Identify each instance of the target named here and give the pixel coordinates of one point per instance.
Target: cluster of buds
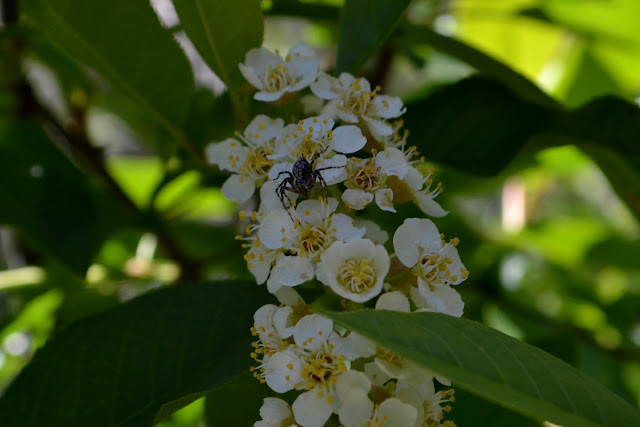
(313, 177)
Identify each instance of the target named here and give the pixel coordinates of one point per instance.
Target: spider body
(300, 180)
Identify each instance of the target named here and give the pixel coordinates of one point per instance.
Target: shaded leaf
(222, 32)
(48, 199)
(477, 125)
(120, 367)
(495, 366)
(364, 27)
(137, 55)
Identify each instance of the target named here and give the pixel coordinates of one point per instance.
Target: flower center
(320, 370)
(312, 240)
(434, 269)
(357, 275)
(278, 78)
(364, 174)
(257, 164)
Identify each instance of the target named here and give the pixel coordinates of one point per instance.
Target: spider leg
(280, 190)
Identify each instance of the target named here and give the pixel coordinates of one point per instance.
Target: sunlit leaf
(485, 64)
(364, 27)
(495, 366)
(120, 367)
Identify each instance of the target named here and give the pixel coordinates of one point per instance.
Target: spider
(301, 179)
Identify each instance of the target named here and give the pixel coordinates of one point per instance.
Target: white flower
(249, 159)
(354, 270)
(274, 76)
(427, 401)
(301, 242)
(366, 177)
(393, 301)
(315, 140)
(352, 100)
(272, 326)
(443, 299)
(419, 245)
(314, 364)
(275, 413)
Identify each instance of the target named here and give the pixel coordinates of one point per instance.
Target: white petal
(378, 127)
(275, 171)
(323, 87)
(351, 380)
(428, 205)
(260, 58)
(344, 229)
(310, 410)
(414, 178)
(238, 188)
(392, 162)
(395, 413)
(265, 96)
(413, 234)
(282, 321)
(228, 155)
(384, 199)
(275, 229)
(356, 198)
(343, 113)
(312, 211)
(353, 346)
(264, 127)
(374, 233)
(334, 172)
(282, 371)
(288, 296)
(250, 74)
(394, 301)
(348, 139)
(377, 376)
(388, 107)
(275, 410)
(356, 409)
(442, 300)
(263, 317)
(292, 270)
(312, 331)
(269, 199)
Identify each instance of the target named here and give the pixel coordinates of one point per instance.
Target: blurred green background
(554, 253)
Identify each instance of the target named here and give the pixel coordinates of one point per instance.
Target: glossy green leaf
(238, 402)
(365, 25)
(479, 60)
(222, 31)
(122, 366)
(48, 200)
(124, 42)
(495, 366)
(479, 125)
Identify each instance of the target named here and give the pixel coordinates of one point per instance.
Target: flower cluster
(314, 176)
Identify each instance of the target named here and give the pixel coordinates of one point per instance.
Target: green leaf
(122, 366)
(48, 200)
(364, 27)
(477, 125)
(495, 366)
(482, 62)
(222, 31)
(124, 42)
